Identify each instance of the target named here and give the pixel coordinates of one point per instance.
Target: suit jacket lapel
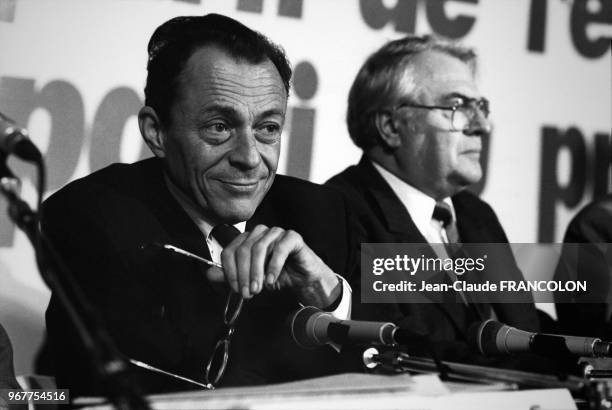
(400, 225)
(180, 229)
(397, 219)
(471, 228)
(265, 213)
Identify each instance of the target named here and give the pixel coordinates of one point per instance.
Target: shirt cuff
(341, 308)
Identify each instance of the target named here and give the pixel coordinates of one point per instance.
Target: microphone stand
(593, 391)
(402, 362)
(108, 365)
(596, 367)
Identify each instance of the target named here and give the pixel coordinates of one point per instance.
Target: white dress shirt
(343, 311)
(419, 205)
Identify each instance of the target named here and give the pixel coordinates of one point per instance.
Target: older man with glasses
(417, 114)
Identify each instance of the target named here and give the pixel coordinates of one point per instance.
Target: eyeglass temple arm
(182, 252)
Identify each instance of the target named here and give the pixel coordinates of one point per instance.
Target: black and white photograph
(306, 204)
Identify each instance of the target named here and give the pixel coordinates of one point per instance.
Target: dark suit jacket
(592, 261)
(159, 308)
(382, 218)
(7, 373)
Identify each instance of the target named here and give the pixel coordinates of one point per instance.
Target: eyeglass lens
(218, 360)
(464, 114)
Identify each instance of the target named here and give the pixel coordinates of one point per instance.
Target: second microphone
(311, 327)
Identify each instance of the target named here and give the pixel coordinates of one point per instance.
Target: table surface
(361, 391)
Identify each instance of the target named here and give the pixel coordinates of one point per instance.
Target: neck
(428, 186)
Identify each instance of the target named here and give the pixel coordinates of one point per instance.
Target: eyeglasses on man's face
(461, 113)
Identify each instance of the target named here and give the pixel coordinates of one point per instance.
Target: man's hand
(268, 256)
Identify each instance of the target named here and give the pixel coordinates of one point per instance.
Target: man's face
(222, 146)
(432, 157)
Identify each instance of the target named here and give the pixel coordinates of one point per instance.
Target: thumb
(215, 274)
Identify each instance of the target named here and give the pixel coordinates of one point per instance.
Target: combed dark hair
(177, 39)
(375, 87)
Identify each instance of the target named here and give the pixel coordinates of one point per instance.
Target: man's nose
(245, 154)
(479, 125)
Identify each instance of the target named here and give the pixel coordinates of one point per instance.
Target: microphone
(311, 327)
(14, 140)
(494, 338)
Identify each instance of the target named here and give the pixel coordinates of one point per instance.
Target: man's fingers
(228, 261)
(243, 255)
(215, 274)
(259, 254)
(256, 259)
(287, 243)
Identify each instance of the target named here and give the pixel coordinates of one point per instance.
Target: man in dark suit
(216, 98)
(587, 255)
(415, 111)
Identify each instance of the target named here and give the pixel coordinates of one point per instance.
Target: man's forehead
(213, 73)
(442, 73)
(210, 61)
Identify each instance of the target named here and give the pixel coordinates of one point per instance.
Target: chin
(233, 217)
(467, 178)
(233, 213)
(234, 207)
(472, 173)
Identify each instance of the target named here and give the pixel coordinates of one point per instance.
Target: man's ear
(151, 131)
(385, 123)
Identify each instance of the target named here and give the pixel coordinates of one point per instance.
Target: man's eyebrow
(457, 95)
(271, 112)
(224, 110)
(230, 112)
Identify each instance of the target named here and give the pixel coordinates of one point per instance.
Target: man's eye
(217, 127)
(216, 133)
(268, 132)
(457, 102)
(271, 128)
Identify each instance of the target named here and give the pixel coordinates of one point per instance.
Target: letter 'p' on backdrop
(73, 72)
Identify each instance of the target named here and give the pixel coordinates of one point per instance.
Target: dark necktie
(443, 213)
(224, 234)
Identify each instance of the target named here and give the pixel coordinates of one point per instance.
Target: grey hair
(375, 86)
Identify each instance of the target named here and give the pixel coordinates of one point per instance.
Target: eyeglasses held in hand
(217, 364)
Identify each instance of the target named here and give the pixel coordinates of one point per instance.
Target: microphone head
(14, 140)
(482, 337)
(300, 327)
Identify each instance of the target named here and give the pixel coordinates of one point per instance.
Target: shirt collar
(419, 205)
(205, 225)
